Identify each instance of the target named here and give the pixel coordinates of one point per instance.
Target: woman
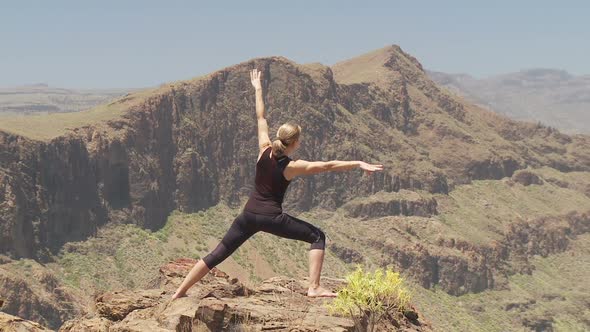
(263, 211)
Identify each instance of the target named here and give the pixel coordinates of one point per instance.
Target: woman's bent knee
(320, 240)
(209, 261)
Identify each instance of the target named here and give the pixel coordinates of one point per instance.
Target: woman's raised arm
(263, 139)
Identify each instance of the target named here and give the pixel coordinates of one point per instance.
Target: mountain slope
(553, 97)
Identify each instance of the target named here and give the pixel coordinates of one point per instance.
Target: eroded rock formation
(10, 323)
(31, 291)
(404, 203)
(475, 268)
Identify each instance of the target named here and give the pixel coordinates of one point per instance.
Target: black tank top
(270, 185)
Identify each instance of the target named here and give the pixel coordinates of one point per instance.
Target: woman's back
(270, 185)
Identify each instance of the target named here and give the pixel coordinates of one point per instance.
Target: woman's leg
(316, 260)
(287, 226)
(240, 230)
(196, 273)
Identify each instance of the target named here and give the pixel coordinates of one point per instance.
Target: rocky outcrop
(580, 186)
(32, 292)
(404, 203)
(474, 268)
(526, 178)
(10, 323)
(348, 255)
(494, 168)
(117, 305)
(538, 323)
(455, 274)
(221, 303)
(542, 236)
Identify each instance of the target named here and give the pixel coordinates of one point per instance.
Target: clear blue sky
(145, 43)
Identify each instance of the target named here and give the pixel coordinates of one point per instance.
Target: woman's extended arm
(304, 167)
(263, 139)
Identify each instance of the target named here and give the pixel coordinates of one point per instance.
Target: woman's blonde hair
(287, 134)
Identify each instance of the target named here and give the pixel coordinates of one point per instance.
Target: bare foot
(175, 296)
(320, 292)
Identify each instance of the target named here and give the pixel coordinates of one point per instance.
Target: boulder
(10, 323)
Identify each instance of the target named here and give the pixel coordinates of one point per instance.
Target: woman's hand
(255, 79)
(370, 168)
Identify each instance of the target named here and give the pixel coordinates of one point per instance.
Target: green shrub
(367, 298)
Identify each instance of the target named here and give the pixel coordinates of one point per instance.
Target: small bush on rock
(369, 297)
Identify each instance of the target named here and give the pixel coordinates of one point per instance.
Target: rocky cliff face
(190, 144)
(10, 323)
(470, 268)
(48, 194)
(402, 203)
(29, 290)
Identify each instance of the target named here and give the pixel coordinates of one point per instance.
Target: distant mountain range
(553, 97)
(42, 98)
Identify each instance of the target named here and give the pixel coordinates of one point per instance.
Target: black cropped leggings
(247, 224)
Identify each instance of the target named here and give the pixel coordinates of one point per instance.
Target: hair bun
(286, 132)
(283, 142)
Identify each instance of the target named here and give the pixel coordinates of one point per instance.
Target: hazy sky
(144, 43)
